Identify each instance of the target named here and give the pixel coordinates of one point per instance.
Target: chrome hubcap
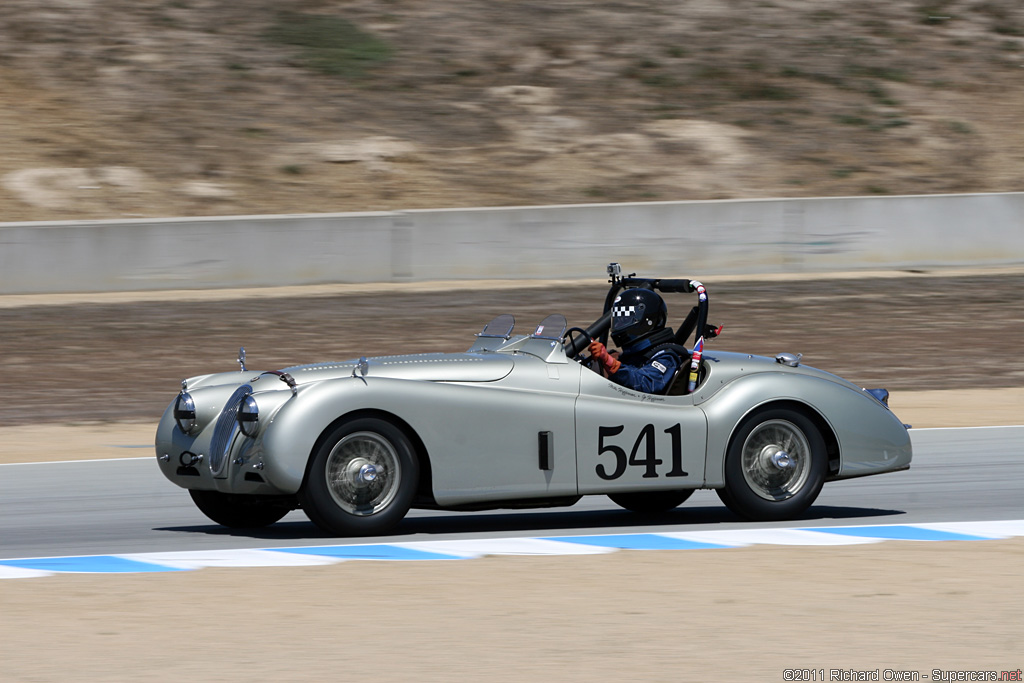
(367, 472)
(782, 460)
(776, 460)
(363, 473)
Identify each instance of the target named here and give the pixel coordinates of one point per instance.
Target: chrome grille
(224, 432)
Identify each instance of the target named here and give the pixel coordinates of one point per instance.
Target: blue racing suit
(650, 377)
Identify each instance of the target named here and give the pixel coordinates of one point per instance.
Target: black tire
(239, 512)
(651, 502)
(362, 478)
(759, 485)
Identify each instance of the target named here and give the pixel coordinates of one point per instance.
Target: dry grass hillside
(131, 108)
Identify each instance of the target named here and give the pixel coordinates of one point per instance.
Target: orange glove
(598, 351)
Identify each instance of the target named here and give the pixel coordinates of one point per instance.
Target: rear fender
(862, 434)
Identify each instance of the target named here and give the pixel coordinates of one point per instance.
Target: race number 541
(644, 452)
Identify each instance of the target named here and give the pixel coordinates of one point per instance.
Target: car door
(630, 441)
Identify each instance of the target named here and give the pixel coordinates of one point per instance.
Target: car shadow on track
(564, 522)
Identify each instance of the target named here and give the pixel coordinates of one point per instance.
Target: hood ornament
(363, 368)
(241, 358)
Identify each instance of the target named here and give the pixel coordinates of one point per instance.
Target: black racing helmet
(637, 314)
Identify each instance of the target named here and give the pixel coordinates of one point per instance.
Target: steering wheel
(567, 341)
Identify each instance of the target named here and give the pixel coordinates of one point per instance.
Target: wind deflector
(551, 327)
(499, 328)
(495, 335)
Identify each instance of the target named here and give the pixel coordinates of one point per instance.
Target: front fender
(288, 441)
(871, 439)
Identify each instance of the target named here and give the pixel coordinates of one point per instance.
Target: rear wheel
(775, 466)
(362, 478)
(651, 502)
(239, 512)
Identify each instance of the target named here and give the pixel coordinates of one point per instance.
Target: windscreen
(499, 328)
(551, 327)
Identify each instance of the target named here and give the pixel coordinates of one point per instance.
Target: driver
(638, 328)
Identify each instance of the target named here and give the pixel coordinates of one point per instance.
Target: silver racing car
(520, 421)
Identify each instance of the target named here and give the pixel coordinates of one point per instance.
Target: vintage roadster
(517, 421)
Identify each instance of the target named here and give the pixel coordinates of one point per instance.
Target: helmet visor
(626, 316)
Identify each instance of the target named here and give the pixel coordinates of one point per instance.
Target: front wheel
(775, 466)
(239, 512)
(362, 478)
(652, 502)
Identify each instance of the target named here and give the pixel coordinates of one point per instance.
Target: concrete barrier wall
(694, 239)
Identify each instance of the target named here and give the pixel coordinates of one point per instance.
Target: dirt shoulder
(123, 360)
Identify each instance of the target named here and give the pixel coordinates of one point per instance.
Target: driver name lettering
(643, 398)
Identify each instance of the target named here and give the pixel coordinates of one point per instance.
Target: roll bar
(698, 317)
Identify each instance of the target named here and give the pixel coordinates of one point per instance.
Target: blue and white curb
(185, 560)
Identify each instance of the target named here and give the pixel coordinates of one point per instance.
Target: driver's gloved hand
(600, 353)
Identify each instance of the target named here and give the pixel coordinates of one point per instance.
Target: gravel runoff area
(697, 615)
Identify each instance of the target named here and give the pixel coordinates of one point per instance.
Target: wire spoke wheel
(775, 465)
(776, 460)
(362, 477)
(363, 473)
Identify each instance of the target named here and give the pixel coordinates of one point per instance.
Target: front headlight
(249, 416)
(185, 412)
